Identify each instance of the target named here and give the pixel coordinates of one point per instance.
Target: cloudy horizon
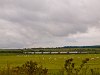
(49, 23)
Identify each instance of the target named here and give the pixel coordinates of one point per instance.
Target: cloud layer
(49, 23)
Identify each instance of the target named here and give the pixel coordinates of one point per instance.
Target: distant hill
(94, 46)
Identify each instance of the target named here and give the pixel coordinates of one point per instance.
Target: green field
(49, 61)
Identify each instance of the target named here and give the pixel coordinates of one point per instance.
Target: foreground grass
(53, 63)
(33, 68)
(48, 61)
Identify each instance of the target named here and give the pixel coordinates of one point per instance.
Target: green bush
(82, 69)
(72, 70)
(29, 68)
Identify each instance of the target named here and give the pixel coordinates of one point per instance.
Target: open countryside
(49, 37)
(53, 59)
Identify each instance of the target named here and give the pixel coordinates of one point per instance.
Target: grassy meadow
(49, 61)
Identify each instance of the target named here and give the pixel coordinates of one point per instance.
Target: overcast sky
(49, 23)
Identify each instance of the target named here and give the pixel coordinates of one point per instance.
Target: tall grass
(33, 68)
(29, 68)
(82, 69)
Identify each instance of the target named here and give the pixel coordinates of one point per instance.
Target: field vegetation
(54, 63)
(16, 62)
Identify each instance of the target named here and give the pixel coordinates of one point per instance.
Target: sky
(49, 23)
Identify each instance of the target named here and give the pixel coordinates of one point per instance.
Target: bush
(29, 68)
(72, 70)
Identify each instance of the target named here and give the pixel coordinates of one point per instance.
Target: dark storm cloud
(29, 23)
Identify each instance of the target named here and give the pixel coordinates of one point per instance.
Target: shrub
(29, 68)
(70, 66)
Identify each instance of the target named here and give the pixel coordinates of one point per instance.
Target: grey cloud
(25, 23)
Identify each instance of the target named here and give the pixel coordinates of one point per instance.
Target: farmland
(53, 59)
(49, 61)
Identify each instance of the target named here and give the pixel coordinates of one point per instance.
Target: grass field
(49, 61)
